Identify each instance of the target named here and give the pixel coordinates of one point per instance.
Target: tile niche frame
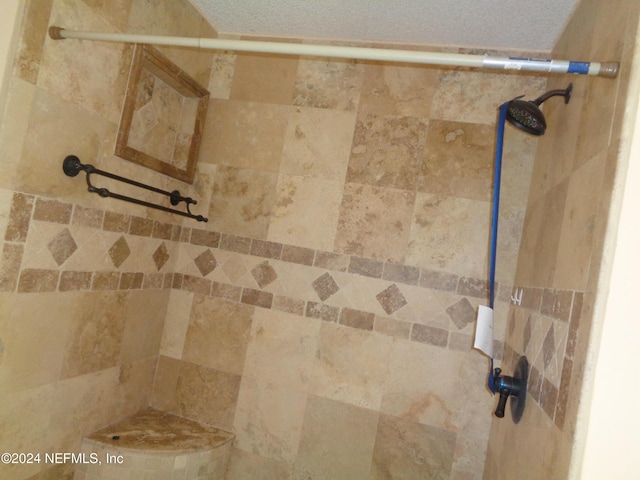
(149, 62)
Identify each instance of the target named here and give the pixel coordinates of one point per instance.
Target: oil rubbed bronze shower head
(526, 114)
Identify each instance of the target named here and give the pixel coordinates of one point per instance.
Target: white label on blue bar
(484, 331)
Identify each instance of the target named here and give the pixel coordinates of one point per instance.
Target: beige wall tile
(305, 212)
(399, 445)
(348, 440)
(144, 319)
(318, 143)
(328, 83)
(225, 140)
(250, 465)
(398, 90)
(282, 350)
(459, 160)
(350, 366)
(447, 234)
(12, 134)
(276, 74)
(218, 334)
(474, 97)
(368, 228)
(96, 334)
(35, 330)
(176, 323)
(387, 151)
(268, 419)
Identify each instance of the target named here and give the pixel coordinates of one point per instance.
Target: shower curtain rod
(602, 69)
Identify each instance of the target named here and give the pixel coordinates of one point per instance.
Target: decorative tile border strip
(558, 305)
(27, 210)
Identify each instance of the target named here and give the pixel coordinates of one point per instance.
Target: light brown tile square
(244, 134)
(387, 151)
(328, 83)
(282, 349)
(218, 334)
(458, 160)
(96, 334)
(399, 89)
(268, 419)
(242, 201)
(305, 212)
(344, 433)
(449, 234)
(275, 75)
(411, 451)
(351, 365)
(375, 222)
(144, 320)
(318, 143)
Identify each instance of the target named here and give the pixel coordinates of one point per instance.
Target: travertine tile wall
(82, 303)
(562, 247)
(324, 314)
(330, 327)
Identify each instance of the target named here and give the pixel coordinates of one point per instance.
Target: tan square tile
(399, 445)
(268, 419)
(244, 134)
(176, 323)
(282, 349)
(398, 90)
(63, 68)
(458, 160)
(144, 319)
(218, 334)
(474, 96)
(276, 74)
(318, 143)
(325, 83)
(387, 151)
(344, 433)
(243, 465)
(34, 346)
(96, 334)
(351, 365)
(305, 212)
(242, 201)
(450, 234)
(375, 222)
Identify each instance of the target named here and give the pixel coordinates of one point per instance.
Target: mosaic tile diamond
(325, 286)
(119, 252)
(264, 274)
(160, 256)
(462, 313)
(391, 299)
(206, 262)
(62, 246)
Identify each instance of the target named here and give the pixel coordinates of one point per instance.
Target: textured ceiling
(521, 25)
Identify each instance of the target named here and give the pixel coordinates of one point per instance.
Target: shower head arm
(566, 93)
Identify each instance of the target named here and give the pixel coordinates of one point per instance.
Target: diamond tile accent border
(541, 315)
(161, 256)
(119, 252)
(62, 246)
(391, 299)
(264, 274)
(206, 262)
(128, 229)
(325, 286)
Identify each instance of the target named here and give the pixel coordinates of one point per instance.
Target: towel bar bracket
(72, 166)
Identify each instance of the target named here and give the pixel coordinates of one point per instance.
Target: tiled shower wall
(561, 251)
(324, 314)
(330, 326)
(82, 303)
